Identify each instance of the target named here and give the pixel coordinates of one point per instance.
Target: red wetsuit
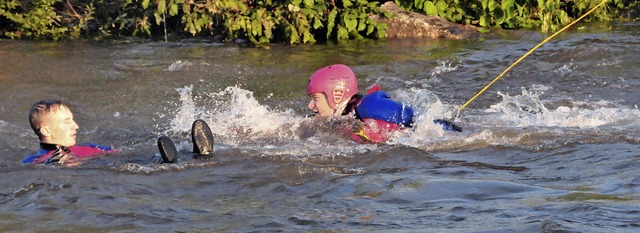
(51, 153)
(379, 117)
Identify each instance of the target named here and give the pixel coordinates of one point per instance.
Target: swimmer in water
(334, 92)
(53, 123)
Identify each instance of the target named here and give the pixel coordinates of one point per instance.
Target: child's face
(59, 127)
(319, 105)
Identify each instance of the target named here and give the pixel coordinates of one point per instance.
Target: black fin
(167, 149)
(201, 137)
(448, 125)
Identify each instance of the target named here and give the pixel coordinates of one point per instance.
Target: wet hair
(40, 111)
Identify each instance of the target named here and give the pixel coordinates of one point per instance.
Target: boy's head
(331, 88)
(53, 122)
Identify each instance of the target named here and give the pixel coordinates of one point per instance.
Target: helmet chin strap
(340, 108)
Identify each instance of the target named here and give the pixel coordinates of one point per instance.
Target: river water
(553, 146)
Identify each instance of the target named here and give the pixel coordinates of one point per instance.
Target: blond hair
(40, 111)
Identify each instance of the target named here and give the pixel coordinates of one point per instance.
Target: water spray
(451, 126)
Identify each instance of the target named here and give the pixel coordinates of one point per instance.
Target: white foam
(527, 109)
(444, 67)
(187, 111)
(179, 65)
(565, 69)
(240, 115)
(503, 122)
(239, 120)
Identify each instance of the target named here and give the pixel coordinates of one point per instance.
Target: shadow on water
(552, 146)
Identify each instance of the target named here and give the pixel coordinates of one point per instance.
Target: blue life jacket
(379, 105)
(30, 158)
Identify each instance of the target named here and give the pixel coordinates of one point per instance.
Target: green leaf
(350, 23)
(382, 29)
(331, 22)
(342, 33)
(485, 4)
(257, 27)
(362, 15)
(381, 26)
(158, 17)
(173, 10)
(260, 13)
(492, 5)
(361, 25)
(307, 37)
(317, 23)
(145, 4)
(485, 20)
(293, 35)
(162, 7)
(498, 16)
(346, 3)
(369, 29)
(419, 4)
(508, 3)
(441, 6)
(430, 8)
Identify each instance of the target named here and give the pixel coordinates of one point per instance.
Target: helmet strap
(340, 108)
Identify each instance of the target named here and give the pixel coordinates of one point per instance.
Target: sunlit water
(553, 146)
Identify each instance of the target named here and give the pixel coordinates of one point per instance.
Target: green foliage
(295, 21)
(41, 20)
(552, 15)
(261, 22)
(548, 15)
(267, 21)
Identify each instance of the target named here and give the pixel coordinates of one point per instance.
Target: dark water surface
(554, 146)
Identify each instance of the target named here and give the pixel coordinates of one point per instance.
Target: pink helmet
(337, 81)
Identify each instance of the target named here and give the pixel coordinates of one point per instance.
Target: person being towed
(53, 123)
(333, 91)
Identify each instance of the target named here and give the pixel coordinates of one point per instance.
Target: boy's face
(59, 127)
(319, 105)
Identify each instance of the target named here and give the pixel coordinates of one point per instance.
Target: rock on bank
(407, 24)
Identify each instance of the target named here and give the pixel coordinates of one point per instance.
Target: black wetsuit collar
(59, 152)
(48, 146)
(351, 106)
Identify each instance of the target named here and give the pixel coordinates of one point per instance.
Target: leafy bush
(267, 21)
(548, 15)
(42, 20)
(295, 21)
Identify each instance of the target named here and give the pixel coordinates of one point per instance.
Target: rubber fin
(448, 125)
(167, 149)
(201, 137)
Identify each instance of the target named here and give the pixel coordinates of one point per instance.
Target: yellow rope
(525, 55)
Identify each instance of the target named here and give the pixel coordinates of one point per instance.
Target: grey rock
(406, 24)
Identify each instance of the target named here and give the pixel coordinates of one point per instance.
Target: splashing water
(187, 112)
(444, 67)
(233, 114)
(240, 116)
(239, 120)
(527, 109)
(566, 69)
(179, 65)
